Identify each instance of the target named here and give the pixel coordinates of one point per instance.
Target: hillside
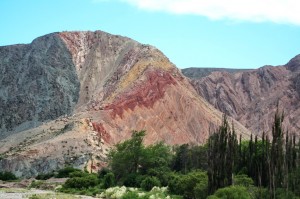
(251, 96)
(67, 97)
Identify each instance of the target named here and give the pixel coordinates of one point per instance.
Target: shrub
(45, 176)
(78, 174)
(163, 175)
(149, 182)
(243, 180)
(109, 180)
(284, 194)
(103, 172)
(200, 190)
(130, 195)
(133, 180)
(7, 176)
(191, 185)
(34, 196)
(36, 184)
(65, 172)
(232, 192)
(114, 192)
(81, 182)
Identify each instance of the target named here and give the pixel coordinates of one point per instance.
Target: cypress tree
(222, 148)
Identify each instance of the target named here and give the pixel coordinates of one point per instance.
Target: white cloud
(279, 11)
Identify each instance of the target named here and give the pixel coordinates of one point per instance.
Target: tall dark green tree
(277, 154)
(222, 149)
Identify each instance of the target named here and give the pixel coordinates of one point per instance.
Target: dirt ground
(21, 193)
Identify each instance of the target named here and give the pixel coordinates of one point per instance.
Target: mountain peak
(92, 89)
(294, 64)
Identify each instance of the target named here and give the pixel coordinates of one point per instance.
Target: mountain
(68, 97)
(251, 96)
(197, 73)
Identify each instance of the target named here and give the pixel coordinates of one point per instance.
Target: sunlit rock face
(68, 97)
(251, 96)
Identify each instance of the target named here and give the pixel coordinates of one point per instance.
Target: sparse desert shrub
(36, 184)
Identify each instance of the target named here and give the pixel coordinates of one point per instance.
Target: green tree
(126, 156)
(222, 152)
(192, 185)
(109, 180)
(131, 159)
(277, 155)
(243, 180)
(149, 182)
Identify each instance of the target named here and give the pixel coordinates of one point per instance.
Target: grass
(31, 195)
(53, 195)
(13, 190)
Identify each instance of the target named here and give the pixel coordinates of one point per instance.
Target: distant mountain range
(251, 96)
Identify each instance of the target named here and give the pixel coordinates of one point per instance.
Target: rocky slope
(67, 97)
(197, 73)
(251, 96)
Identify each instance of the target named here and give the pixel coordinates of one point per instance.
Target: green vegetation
(149, 182)
(7, 176)
(66, 172)
(232, 192)
(225, 167)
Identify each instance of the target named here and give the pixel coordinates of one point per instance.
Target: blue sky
(192, 33)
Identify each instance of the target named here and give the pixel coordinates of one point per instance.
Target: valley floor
(20, 193)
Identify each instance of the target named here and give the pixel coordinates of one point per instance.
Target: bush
(232, 192)
(78, 174)
(114, 192)
(149, 182)
(109, 180)
(284, 194)
(200, 190)
(133, 180)
(243, 180)
(163, 175)
(45, 176)
(34, 196)
(81, 182)
(65, 172)
(130, 195)
(36, 184)
(191, 185)
(7, 176)
(103, 172)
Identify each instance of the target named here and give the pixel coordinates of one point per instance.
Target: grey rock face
(38, 82)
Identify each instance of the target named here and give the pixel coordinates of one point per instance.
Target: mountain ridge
(251, 96)
(102, 87)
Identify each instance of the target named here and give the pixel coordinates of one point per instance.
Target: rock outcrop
(251, 96)
(80, 93)
(34, 78)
